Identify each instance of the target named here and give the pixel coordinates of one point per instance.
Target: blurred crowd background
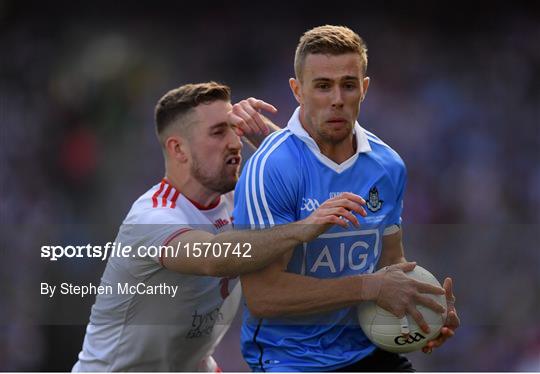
(455, 90)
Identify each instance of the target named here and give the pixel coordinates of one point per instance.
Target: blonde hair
(332, 40)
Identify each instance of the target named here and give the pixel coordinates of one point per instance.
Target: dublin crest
(374, 203)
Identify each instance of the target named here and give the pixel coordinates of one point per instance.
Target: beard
(329, 136)
(221, 181)
(324, 132)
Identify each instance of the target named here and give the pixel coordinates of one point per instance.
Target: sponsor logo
(219, 223)
(402, 340)
(310, 204)
(203, 324)
(353, 257)
(348, 252)
(374, 203)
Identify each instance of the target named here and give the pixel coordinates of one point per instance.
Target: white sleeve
(392, 229)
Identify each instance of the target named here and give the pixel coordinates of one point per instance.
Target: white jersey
(141, 332)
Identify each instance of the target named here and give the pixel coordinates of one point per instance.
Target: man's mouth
(233, 160)
(337, 120)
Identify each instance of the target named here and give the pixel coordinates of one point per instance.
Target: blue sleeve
(266, 193)
(400, 182)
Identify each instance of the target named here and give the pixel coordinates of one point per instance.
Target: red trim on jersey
(157, 193)
(212, 205)
(224, 290)
(164, 198)
(176, 233)
(174, 198)
(170, 238)
(166, 194)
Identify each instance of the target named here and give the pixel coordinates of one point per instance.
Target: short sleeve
(400, 182)
(156, 228)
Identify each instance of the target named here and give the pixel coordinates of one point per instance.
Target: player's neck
(192, 189)
(338, 152)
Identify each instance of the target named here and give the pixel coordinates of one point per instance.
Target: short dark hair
(331, 40)
(180, 101)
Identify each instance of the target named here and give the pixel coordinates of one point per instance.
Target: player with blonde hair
(301, 313)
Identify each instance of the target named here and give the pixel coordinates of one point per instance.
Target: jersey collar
(362, 143)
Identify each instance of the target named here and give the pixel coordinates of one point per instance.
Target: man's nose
(337, 97)
(234, 142)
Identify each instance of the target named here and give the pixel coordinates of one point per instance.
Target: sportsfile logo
(309, 204)
(401, 340)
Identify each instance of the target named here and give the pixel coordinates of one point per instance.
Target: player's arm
(392, 247)
(273, 292)
(262, 246)
(248, 121)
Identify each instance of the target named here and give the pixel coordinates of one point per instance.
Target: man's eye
(323, 86)
(350, 86)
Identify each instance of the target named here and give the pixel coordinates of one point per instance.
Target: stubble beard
(325, 135)
(218, 182)
(333, 138)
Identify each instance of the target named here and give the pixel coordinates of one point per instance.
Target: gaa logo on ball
(384, 329)
(411, 339)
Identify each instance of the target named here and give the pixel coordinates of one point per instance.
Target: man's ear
(365, 86)
(177, 148)
(296, 89)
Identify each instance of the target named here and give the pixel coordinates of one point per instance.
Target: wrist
(255, 139)
(300, 234)
(370, 287)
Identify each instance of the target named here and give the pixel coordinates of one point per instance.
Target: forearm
(292, 294)
(387, 261)
(392, 250)
(244, 251)
(273, 291)
(262, 246)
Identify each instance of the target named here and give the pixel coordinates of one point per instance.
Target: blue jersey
(285, 181)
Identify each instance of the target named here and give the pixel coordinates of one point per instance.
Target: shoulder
(158, 205)
(270, 179)
(278, 156)
(383, 152)
(278, 146)
(386, 157)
